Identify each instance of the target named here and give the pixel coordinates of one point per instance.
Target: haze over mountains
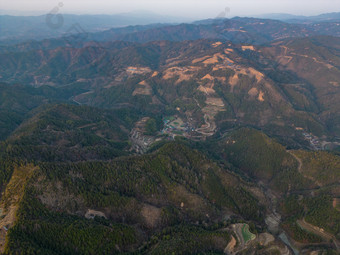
(15, 29)
(220, 136)
(21, 28)
(301, 19)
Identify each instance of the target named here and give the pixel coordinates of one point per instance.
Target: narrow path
(73, 100)
(298, 160)
(301, 172)
(335, 204)
(318, 231)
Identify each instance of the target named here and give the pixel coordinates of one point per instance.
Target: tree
(151, 127)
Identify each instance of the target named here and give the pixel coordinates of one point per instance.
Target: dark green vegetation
(323, 167)
(151, 127)
(175, 185)
(322, 213)
(174, 199)
(72, 133)
(317, 211)
(6, 169)
(41, 231)
(262, 158)
(14, 103)
(294, 210)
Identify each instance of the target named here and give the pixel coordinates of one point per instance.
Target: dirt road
(318, 231)
(301, 172)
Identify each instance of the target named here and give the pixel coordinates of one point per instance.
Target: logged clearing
(231, 246)
(260, 98)
(335, 84)
(206, 90)
(215, 101)
(228, 60)
(244, 48)
(209, 77)
(91, 214)
(214, 59)
(197, 60)
(137, 70)
(216, 44)
(143, 88)
(227, 51)
(234, 80)
(184, 73)
(287, 55)
(151, 215)
(236, 30)
(253, 92)
(181, 196)
(266, 238)
(259, 76)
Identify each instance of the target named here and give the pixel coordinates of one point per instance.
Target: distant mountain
(15, 29)
(78, 30)
(279, 16)
(327, 17)
(237, 30)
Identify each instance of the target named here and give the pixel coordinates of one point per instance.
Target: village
(316, 143)
(174, 126)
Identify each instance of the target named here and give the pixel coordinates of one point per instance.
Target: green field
(247, 235)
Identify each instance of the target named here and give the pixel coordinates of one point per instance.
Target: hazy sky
(185, 8)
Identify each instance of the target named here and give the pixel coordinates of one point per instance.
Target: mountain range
(219, 136)
(15, 29)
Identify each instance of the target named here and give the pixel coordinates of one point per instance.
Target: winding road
(318, 231)
(301, 172)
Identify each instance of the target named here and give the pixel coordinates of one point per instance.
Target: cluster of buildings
(175, 126)
(313, 140)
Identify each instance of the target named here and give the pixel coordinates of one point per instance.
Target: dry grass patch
(151, 215)
(143, 89)
(260, 97)
(253, 92)
(216, 44)
(206, 90)
(244, 48)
